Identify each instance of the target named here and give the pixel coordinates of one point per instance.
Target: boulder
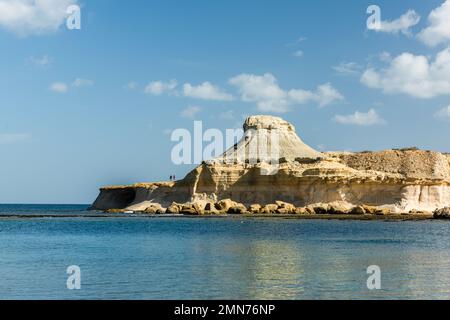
(357, 210)
(443, 213)
(192, 209)
(336, 208)
(321, 208)
(155, 208)
(238, 208)
(310, 210)
(302, 211)
(255, 208)
(225, 205)
(210, 208)
(370, 209)
(269, 209)
(174, 208)
(285, 208)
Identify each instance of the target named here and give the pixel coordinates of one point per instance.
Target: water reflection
(224, 259)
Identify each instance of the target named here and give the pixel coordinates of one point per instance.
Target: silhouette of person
(170, 178)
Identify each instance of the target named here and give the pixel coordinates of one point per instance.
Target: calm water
(233, 258)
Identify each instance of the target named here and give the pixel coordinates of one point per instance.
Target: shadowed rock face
(400, 180)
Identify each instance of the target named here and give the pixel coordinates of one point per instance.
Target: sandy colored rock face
(397, 180)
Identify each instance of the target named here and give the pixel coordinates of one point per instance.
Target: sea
(141, 257)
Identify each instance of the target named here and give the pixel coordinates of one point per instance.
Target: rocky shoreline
(295, 181)
(283, 209)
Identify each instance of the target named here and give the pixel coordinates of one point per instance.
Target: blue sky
(84, 108)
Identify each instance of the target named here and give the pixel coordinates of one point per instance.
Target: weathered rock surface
(391, 181)
(443, 213)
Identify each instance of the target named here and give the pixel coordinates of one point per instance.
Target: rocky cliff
(398, 181)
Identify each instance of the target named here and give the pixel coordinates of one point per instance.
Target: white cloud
(59, 87)
(263, 90)
(413, 75)
(206, 91)
(438, 30)
(82, 83)
(347, 68)
(369, 118)
(443, 113)
(190, 112)
(324, 95)
(42, 61)
(298, 53)
(270, 97)
(62, 87)
(33, 17)
(157, 88)
(8, 138)
(400, 25)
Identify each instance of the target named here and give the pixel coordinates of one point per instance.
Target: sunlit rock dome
(269, 138)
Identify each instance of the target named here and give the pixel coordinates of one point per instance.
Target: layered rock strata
(396, 181)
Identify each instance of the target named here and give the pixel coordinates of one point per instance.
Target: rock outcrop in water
(301, 180)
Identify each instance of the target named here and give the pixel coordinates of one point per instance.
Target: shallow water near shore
(230, 258)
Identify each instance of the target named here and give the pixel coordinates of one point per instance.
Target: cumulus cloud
(417, 76)
(157, 88)
(369, 118)
(59, 87)
(438, 30)
(270, 97)
(347, 68)
(206, 91)
(443, 113)
(264, 90)
(190, 112)
(33, 17)
(400, 25)
(8, 138)
(324, 95)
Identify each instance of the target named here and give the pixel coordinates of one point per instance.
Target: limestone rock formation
(292, 175)
(443, 213)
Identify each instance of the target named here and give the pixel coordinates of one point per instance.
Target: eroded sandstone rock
(155, 208)
(358, 210)
(401, 180)
(238, 208)
(443, 213)
(255, 208)
(269, 209)
(174, 208)
(285, 208)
